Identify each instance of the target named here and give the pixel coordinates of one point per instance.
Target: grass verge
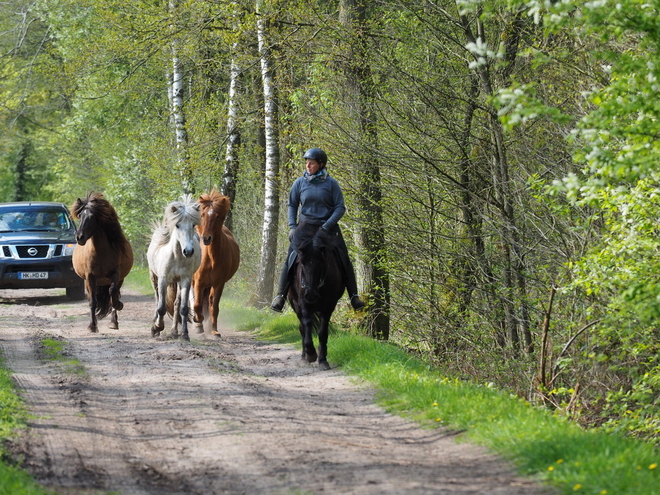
(13, 417)
(55, 350)
(543, 445)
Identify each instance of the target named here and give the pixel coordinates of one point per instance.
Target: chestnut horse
(220, 258)
(102, 256)
(315, 289)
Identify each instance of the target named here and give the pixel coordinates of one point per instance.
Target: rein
(304, 285)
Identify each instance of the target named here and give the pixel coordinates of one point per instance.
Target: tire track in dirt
(232, 416)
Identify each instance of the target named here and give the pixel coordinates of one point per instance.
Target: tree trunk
(267, 261)
(178, 115)
(512, 270)
(233, 142)
(370, 238)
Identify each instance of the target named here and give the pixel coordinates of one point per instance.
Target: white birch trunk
(228, 187)
(178, 115)
(267, 262)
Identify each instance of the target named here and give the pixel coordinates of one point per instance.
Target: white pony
(174, 255)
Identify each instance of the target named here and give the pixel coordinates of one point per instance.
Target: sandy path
(214, 416)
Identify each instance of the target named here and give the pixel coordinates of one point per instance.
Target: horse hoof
(311, 357)
(113, 326)
(92, 329)
(324, 366)
(185, 337)
(155, 331)
(215, 333)
(199, 328)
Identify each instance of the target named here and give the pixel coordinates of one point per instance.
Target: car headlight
(68, 249)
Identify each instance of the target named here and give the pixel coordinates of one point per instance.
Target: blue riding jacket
(316, 199)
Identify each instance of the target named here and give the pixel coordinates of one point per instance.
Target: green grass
(543, 446)
(13, 417)
(55, 350)
(138, 279)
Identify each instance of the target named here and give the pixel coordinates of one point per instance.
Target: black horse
(316, 286)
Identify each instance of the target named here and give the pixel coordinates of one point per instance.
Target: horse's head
(92, 212)
(214, 209)
(313, 247)
(181, 218)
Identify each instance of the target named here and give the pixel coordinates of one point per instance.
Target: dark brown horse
(102, 258)
(315, 289)
(220, 259)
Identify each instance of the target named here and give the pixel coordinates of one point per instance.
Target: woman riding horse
(320, 201)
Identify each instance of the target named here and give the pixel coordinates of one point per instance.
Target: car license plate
(32, 275)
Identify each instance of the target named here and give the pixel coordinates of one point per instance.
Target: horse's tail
(170, 298)
(170, 302)
(103, 301)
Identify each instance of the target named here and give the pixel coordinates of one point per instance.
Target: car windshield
(19, 218)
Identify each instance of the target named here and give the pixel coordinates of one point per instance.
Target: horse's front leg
(117, 305)
(115, 292)
(201, 295)
(176, 317)
(183, 310)
(161, 290)
(93, 302)
(216, 294)
(306, 329)
(324, 322)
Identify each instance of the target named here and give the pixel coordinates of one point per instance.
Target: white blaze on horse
(174, 255)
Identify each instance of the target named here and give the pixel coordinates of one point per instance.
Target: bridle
(303, 283)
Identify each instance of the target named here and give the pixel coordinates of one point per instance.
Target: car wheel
(76, 293)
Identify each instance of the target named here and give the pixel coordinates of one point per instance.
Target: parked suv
(36, 244)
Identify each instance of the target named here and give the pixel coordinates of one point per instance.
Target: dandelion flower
(577, 487)
(653, 466)
(551, 468)
(435, 403)
(559, 461)
(604, 492)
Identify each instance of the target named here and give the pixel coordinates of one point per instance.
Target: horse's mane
(217, 201)
(309, 238)
(183, 209)
(105, 214)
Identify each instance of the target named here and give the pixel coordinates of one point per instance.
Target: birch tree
(267, 261)
(177, 99)
(233, 140)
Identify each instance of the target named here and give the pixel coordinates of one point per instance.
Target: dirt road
(234, 416)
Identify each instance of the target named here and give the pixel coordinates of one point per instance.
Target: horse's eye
(177, 226)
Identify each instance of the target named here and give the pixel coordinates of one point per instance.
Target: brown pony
(102, 258)
(220, 258)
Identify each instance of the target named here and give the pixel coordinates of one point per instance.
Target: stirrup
(278, 303)
(356, 302)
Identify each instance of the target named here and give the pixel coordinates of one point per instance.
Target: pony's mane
(185, 209)
(215, 200)
(104, 212)
(309, 238)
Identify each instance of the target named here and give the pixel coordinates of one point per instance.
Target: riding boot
(349, 278)
(283, 288)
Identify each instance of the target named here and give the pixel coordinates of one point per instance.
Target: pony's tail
(170, 301)
(103, 301)
(170, 298)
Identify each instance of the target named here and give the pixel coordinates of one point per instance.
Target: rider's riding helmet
(317, 154)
